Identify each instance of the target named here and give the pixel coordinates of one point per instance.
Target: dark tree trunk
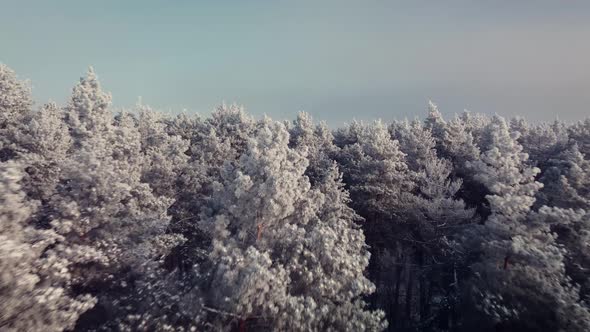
(409, 295)
(422, 286)
(398, 279)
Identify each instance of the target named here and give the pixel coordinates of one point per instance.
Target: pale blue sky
(334, 59)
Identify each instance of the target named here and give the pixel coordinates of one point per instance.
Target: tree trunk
(398, 279)
(422, 286)
(409, 286)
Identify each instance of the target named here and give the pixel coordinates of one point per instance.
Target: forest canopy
(143, 221)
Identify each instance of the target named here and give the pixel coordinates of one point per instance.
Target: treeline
(139, 221)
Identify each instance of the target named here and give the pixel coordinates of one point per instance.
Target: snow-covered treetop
(87, 110)
(15, 97)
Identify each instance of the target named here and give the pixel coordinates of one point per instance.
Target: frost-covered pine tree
(15, 97)
(15, 109)
(113, 226)
(87, 113)
(458, 145)
(573, 234)
(35, 278)
(165, 154)
(214, 142)
(566, 180)
(317, 141)
(380, 184)
(189, 178)
(476, 124)
(435, 123)
(433, 219)
(45, 143)
(502, 169)
(375, 170)
(284, 256)
(183, 125)
(580, 133)
(415, 140)
(233, 127)
(517, 253)
(220, 139)
(435, 186)
(542, 141)
(377, 177)
(47, 134)
(556, 303)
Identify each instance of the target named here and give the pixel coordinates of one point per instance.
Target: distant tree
(476, 124)
(580, 133)
(458, 145)
(435, 123)
(543, 141)
(165, 153)
(317, 142)
(566, 180)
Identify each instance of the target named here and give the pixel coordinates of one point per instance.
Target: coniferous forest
(142, 221)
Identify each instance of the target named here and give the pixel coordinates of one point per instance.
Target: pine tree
(458, 145)
(214, 142)
(580, 133)
(512, 189)
(518, 252)
(380, 185)
(476, 124)
(87, 113)
(35, 278)
(566, 180)
(435, 123)
(165, 153)
(44, 143)
(543, 141)
(572, 228)
(433, 219)
(317, 142)
(375, 170)
(15, 110)
(278, 263)
(416, 141)
(113, 226)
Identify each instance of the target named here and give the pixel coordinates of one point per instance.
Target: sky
(336, 60)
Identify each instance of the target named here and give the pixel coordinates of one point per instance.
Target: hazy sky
(334, 59)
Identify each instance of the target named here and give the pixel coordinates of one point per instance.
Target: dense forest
(142, 221)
